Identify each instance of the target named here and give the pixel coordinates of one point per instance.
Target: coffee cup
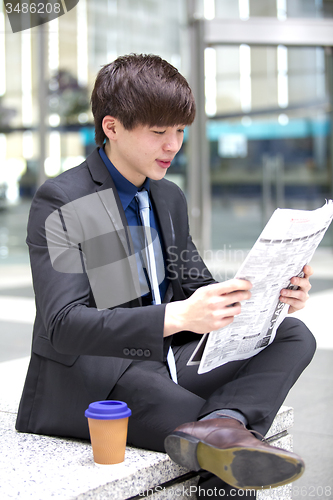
(108, 422)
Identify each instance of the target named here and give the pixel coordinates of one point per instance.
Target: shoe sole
(246, 468)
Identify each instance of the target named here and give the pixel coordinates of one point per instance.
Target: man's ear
(110, 125)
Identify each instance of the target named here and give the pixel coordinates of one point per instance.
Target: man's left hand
(297, 298)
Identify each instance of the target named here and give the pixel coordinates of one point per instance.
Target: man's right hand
(209, 308)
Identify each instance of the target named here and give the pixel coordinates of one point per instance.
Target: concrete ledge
(42, 467)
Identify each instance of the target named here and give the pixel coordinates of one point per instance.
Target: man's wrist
(173, 320)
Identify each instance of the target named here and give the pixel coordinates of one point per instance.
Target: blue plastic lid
(108, 410)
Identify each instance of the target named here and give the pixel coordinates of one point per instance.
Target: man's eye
(182, 130)
(159, 132)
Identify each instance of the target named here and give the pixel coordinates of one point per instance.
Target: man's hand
(209, 308)
(297, 298)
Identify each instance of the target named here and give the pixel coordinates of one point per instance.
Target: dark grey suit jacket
(78, 351)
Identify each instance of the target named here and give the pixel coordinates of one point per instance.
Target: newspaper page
(286, 244)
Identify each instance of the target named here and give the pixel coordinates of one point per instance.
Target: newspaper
(286, 244)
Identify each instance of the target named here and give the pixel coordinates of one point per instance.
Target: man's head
(141, 90)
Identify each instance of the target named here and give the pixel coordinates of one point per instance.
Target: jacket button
(133, 352)
(139, 352)
(126, 351)
(147, 353)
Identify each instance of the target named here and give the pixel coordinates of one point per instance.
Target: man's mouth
(164, 163)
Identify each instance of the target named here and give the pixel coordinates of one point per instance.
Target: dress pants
(256, 387)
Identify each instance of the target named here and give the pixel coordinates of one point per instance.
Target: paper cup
(108, 422)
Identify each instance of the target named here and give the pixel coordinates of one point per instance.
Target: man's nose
(172, 143)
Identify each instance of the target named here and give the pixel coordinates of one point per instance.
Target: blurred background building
(268, 109)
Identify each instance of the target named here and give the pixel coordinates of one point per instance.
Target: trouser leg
(158, 405)
(258, 386)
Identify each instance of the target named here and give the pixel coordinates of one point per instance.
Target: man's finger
(308, 271)
(230, 286)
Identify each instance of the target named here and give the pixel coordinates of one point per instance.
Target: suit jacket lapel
(166, 226)
(104, 182)
(112, 204)
(163, 215)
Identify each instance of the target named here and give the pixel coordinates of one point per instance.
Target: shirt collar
(125, 188)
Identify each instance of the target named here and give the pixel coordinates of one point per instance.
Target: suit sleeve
(67, 316)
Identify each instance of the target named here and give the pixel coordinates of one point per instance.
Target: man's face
(144, 151)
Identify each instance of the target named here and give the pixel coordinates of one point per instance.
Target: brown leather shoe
(226, 448)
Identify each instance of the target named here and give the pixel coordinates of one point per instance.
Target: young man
(103, 330)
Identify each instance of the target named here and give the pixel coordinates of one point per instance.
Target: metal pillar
(329, 73)
(198, 171)
(42, 103)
